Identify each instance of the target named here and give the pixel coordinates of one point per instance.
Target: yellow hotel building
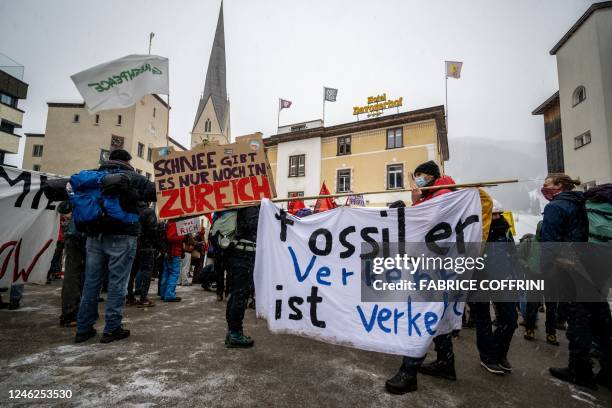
(369, 155)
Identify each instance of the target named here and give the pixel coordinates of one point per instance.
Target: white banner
(308, 273)
(122, 82)
(29, 228)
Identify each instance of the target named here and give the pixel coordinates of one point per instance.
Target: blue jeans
(170, 275)
(16, 292)
(106, 253)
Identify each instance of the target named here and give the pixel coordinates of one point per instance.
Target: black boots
(117, 334)
(581, 377)
(402, 383)
(440, 368)
(81, 337)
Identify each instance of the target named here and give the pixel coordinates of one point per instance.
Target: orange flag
(324, 204)
(295, 205)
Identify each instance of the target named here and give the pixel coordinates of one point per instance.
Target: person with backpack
(222, 233)
(529, 257)
(565, 220)
(104, 203)
(241, 263)
(72, 284)
(172, 263)
(145, 257)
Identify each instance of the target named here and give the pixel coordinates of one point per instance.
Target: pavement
(176, 355)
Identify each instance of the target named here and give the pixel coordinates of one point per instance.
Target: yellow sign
(377, 104)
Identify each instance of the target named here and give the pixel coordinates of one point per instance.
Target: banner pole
(168, 120)
(492, 183)
(323, 106)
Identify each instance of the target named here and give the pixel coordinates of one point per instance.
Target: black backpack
(248, 218)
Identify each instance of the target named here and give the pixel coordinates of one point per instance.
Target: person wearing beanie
(426, 174)
(121, 155)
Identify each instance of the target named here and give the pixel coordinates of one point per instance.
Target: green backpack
(225, 226)
(600, 221)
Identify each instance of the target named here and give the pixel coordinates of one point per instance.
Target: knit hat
(120, 154)
(429, 167)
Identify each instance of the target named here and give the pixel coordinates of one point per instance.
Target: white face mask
(420, 181)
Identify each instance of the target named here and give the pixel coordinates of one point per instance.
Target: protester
(241, 265)
(566, 220)
(197, 255)
(172, 263)
(222, 232)
(529, 254)
(144, 261)
(188, 246)
(500, 263)
(72, 285)
(55, 269)
(111, 238)
(426, 174)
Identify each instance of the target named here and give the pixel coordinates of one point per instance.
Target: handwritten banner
(189, 226)
(210, 178)
(29, 227)
(308, 272)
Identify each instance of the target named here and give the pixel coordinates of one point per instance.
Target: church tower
(212, 120)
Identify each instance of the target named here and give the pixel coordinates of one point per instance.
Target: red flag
(324, 204)
(295, 205)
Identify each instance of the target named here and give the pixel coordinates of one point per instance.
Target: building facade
(12, 89)
(212, 119)
(370, 155)
(76, 140)
(551, 110)
(584, 64)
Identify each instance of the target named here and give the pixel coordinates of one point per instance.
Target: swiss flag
(324, 204)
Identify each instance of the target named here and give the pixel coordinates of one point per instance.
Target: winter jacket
(441, 181)
(175, 241)
(565, 218)
(148, 228)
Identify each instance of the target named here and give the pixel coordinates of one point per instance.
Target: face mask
(420, 181)
(549, 193)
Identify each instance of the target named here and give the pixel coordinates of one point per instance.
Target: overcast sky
(290, 49)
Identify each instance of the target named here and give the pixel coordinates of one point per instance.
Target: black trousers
(72, 285)
(551, 316)
(444, 352)
(143, 265)
(241, 264)
(588, 322)
(493, 345)
(222, 265)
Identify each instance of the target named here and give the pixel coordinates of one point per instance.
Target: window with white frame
(395, 138)
(297, 165)
(37, 150)
(395, 176)
(583, 139)
(343, 184)
(579, 95)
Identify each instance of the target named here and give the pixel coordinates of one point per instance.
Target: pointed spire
(215, 85)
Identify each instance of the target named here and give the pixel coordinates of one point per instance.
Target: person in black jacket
(142, 269)
(565, 220)
(111, 246)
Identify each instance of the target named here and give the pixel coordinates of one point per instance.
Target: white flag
(453, 69)
(122, 82)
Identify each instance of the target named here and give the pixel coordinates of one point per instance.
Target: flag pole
(168, 120)
(278, 117)
(446, 97)
(323, 106)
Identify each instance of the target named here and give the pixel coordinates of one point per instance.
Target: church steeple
(212, 122)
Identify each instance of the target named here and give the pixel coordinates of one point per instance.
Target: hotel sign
(377, 104)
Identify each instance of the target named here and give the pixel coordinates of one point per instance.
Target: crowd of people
(114, 244)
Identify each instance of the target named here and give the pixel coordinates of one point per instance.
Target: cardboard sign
(189, 226)
(211, 177)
